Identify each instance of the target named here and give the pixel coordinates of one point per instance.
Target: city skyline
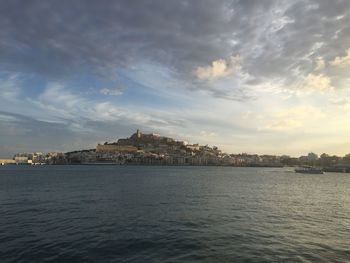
(247, 76)
(155, 149)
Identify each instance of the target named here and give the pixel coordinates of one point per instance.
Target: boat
(309, 170)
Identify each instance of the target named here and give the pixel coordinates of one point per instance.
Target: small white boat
(309, 170)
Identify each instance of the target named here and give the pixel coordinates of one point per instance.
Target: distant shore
(325, 169)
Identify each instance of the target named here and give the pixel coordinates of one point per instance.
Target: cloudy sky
(246, 76)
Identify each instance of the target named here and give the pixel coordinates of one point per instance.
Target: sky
(266, 77)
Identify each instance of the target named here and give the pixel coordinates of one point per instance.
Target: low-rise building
(21, 160)
(7, 161)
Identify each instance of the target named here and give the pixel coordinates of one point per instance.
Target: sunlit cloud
(218, 69)
(293, 118)
(341, 102)
(342, 61)
(320, 82)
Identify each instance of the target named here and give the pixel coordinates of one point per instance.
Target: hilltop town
(153, 149)
(150, 149)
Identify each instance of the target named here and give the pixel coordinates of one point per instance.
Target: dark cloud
(59, 39)
(21, 133)
(63, 37)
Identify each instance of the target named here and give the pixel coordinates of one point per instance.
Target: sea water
(172, 214)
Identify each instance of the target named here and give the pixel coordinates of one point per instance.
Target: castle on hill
(138, 142)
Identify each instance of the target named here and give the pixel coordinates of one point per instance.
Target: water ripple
(172, 214)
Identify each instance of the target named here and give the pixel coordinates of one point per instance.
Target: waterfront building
(7, 161)
(21, 160)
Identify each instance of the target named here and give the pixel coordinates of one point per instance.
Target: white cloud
(320, 64)
(9, 88)
(293, 118)
(342, 61)
(340, 17)
(283, 124)
(56, 94)
(218, 69)
(7, 118)
(60, 102)
(280, 22)
(341, 102)
(106, 111)
(112, 92)
(318, 82)
(206, 134)
(314, 48)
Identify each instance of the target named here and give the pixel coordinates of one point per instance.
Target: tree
(325, 160)
(346, 159)
(312, 158)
